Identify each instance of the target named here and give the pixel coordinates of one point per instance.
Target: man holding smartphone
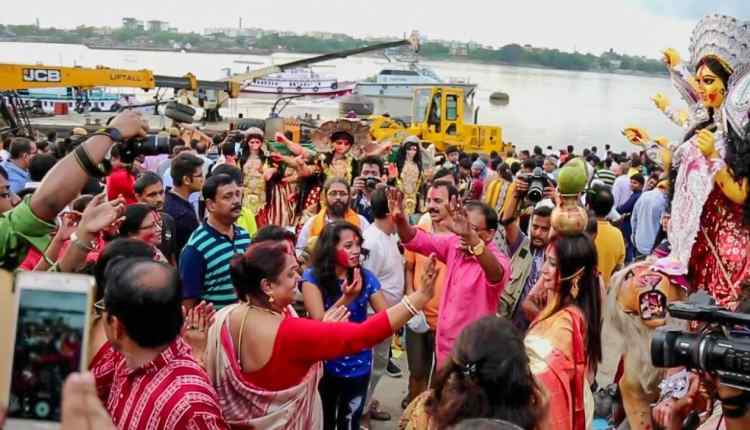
(32, 220)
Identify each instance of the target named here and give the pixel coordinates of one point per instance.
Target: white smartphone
(49, 340)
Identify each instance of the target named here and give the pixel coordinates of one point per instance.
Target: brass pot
(568, 218)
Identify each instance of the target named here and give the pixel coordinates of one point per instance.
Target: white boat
(300, 81)
(400, 82)
(93, 100)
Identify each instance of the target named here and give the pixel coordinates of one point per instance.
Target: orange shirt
(420, 261)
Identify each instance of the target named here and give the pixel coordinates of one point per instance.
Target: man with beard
(336, 208)
(204, 263)
(527, 253)
(149, 189)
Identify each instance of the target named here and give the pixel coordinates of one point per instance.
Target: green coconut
(573, 177)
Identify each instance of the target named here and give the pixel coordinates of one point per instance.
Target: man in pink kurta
(467, 295)
(476, 271)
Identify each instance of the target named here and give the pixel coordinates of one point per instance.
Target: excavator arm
(25, 76)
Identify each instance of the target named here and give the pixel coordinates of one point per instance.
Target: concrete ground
(390, 392)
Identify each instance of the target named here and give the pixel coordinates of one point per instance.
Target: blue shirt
(184, 217)
(17, 177)
(646, 220)
(359, 364)
(204, 265)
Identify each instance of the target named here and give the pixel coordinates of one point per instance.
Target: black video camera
(538, 181)
(155, 144)
(718, 349)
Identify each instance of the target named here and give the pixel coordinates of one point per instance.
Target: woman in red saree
(265, 363)
(564, 342)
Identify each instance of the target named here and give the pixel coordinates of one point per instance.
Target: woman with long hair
(143, 223)
(265, 363)
(410, 173)
(336, 267)
(564, 340)
(487, 376)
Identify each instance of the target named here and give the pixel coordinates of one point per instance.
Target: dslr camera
(155, 144)
(371, 183)
(722, 348)
(537, 181)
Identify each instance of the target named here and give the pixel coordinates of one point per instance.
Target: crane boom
(25, 76)
(413, 40)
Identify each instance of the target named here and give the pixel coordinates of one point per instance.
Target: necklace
(262, 309)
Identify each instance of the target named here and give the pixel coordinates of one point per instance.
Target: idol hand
(661, 101)
(671, 57)
(635, 135)
(707, 143)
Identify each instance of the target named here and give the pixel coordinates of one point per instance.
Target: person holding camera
(370, 174)
(526, 250)
(32, 220)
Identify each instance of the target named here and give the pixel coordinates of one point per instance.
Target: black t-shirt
(168, 245)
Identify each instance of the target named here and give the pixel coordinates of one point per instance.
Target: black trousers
(343, 401)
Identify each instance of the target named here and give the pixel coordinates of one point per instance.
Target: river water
(547, 107)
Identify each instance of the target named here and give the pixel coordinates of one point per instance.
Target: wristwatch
(477, 249)
(113, 134)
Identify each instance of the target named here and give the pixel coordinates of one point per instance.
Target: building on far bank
(132, 24)
(156, 26)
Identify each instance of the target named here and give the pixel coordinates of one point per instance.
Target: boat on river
(400, 81)
(298, 81)
(89, 100)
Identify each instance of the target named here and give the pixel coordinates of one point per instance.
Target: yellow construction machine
(439, 117)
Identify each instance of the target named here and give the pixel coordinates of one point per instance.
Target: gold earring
(574, 289)
(270, 299)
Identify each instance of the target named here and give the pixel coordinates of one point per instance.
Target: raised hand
(395, 204)
(69, 224)
(130, 124)
(429, 275)
(352, 289)
(459, 220)
(100, 214)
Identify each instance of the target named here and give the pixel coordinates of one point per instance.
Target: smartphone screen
(49, 343)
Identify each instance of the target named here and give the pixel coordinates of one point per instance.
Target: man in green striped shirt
(204, 262)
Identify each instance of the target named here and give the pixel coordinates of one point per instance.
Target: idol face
(711, 87)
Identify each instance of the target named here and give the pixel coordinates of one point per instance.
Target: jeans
(420, 353)
(343, 401)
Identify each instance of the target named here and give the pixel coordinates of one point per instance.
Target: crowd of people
(251, 283)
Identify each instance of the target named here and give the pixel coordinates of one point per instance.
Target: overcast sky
(643, 27)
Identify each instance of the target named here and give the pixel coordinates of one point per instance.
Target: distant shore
(262, 52)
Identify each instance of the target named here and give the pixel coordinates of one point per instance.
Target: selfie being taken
(375, 216)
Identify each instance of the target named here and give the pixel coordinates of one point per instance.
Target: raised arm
(66, 179)
(317, 340)
(295, 148)
(459, 225)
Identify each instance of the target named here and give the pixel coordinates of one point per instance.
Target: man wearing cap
(526, 251)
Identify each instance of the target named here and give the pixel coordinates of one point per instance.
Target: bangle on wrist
(409, 306)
